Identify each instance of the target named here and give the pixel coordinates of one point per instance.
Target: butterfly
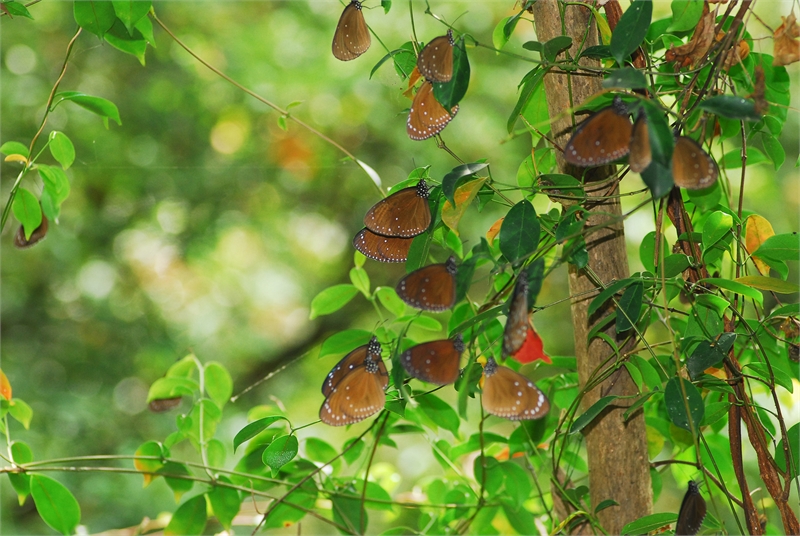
(692, 512)
(640, 153)
(382, 248)
(511, 395)
(403, 214)
(354, 388)
(604, 137)
(435, 61)
(351, 38)
(38, 234)
(427, 117)
(431, 288)
(516, 329)
(692, 167)
(434, 362)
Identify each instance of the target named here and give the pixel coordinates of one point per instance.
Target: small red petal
(532, 349)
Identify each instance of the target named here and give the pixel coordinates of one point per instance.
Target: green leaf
(661, 137)
(254, 428)
(598, 52)
(149, 448)
(707, 354)
(647, 524)
(555, 46)
(174, 475)
(714, 411)
(390, 300)
(450, 93)
(345, 341)
(280, 452)
(189, 519)
(733, 159)
(170, 387)
(630, 305)
(360, 280)
(131, 11)
(21, 411)
(606, 293)
(625, 78)
(347, 511)
(319, 451)
(17, 9)
(332, 299)
(427, 322)
(717, 226)
(677, 404)
(520, 519)
(118, 37)
(62, 149)
(589, 415)
(225, 502)
(219, 384)
(99, 106)
(27, 211)
(649, 374)
(675, 264)
(13, 147)
(21, 453)
(418, 252)
(784, 247)
(564, 189)
(685, 15)
(386, 5)
(55, 182)
(631, 29)
(440, 412)
(94, 16)
(706, 199)
(145, 27)
(774, 150)
(793, 435)
(737, 287)
(458, 175)
(499, 35)
(529, 84)
(352, 454)
(519, 233)
(769, 284)
(658, 178)
(55, 504)
(216, 453)
(731, 107)
(517, 482)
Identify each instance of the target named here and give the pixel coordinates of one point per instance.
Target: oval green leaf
(630, 305)
(189, 519)
(55, 504)
(450, 93)
(589, 415)
(731, 107)
(280, 452)
(225, 502)
(332, 299)
(94, 16)
(27, 211)
(677, 405)
(625, 78)
(456, 176)
(770, 284)
(519, 233)
(219, 384)
(631, 29)
(62, 149)
(345, 341)
(253, 429)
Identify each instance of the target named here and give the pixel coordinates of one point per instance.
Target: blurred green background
(200, 225)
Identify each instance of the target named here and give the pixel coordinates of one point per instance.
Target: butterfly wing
(435, 61)
(351, 38)
(352, 361)
(516, 329)
(692, 167)
(360, 394)
(511, 395)
(382, 248)
(403, 214)
(692, 512)
(640, 155)
(434, 362)
(431, 288)
(427, 117)
(603, 138)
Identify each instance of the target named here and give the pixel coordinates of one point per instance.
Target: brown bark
(617, 450)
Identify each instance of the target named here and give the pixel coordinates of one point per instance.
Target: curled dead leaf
(762, 106)
(786, 47)
(493, 230)
(696, 49)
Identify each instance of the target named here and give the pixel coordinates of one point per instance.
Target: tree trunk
(619, 468)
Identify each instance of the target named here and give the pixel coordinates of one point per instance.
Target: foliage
(689, 320)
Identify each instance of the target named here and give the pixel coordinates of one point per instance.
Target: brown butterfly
(427, 117)
(403, 214)
(351, 38)
(604, 137)
(354, 388)
(692, 167)
(640, 154)
(431, 288)
(511, 395)
(434, 362)
(38, 234)
(382, 248)
(516, 330)
(692, 512)
(435, 61)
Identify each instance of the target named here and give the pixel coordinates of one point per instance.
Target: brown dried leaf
(696, 49)
(786, 48)
(762, 105)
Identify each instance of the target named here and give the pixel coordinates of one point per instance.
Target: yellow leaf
(5, 386)
(16, 158)
(493, 230)
(757, 230)
(463, 196)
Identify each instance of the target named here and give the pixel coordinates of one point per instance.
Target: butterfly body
(354, 388)
(511, 395)
(692, 512)
(516, 329)
(434, 362)
(431, 288)
(404, 214)
(427, 117)
(351, 38)
(603, 138)
(435, 61)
